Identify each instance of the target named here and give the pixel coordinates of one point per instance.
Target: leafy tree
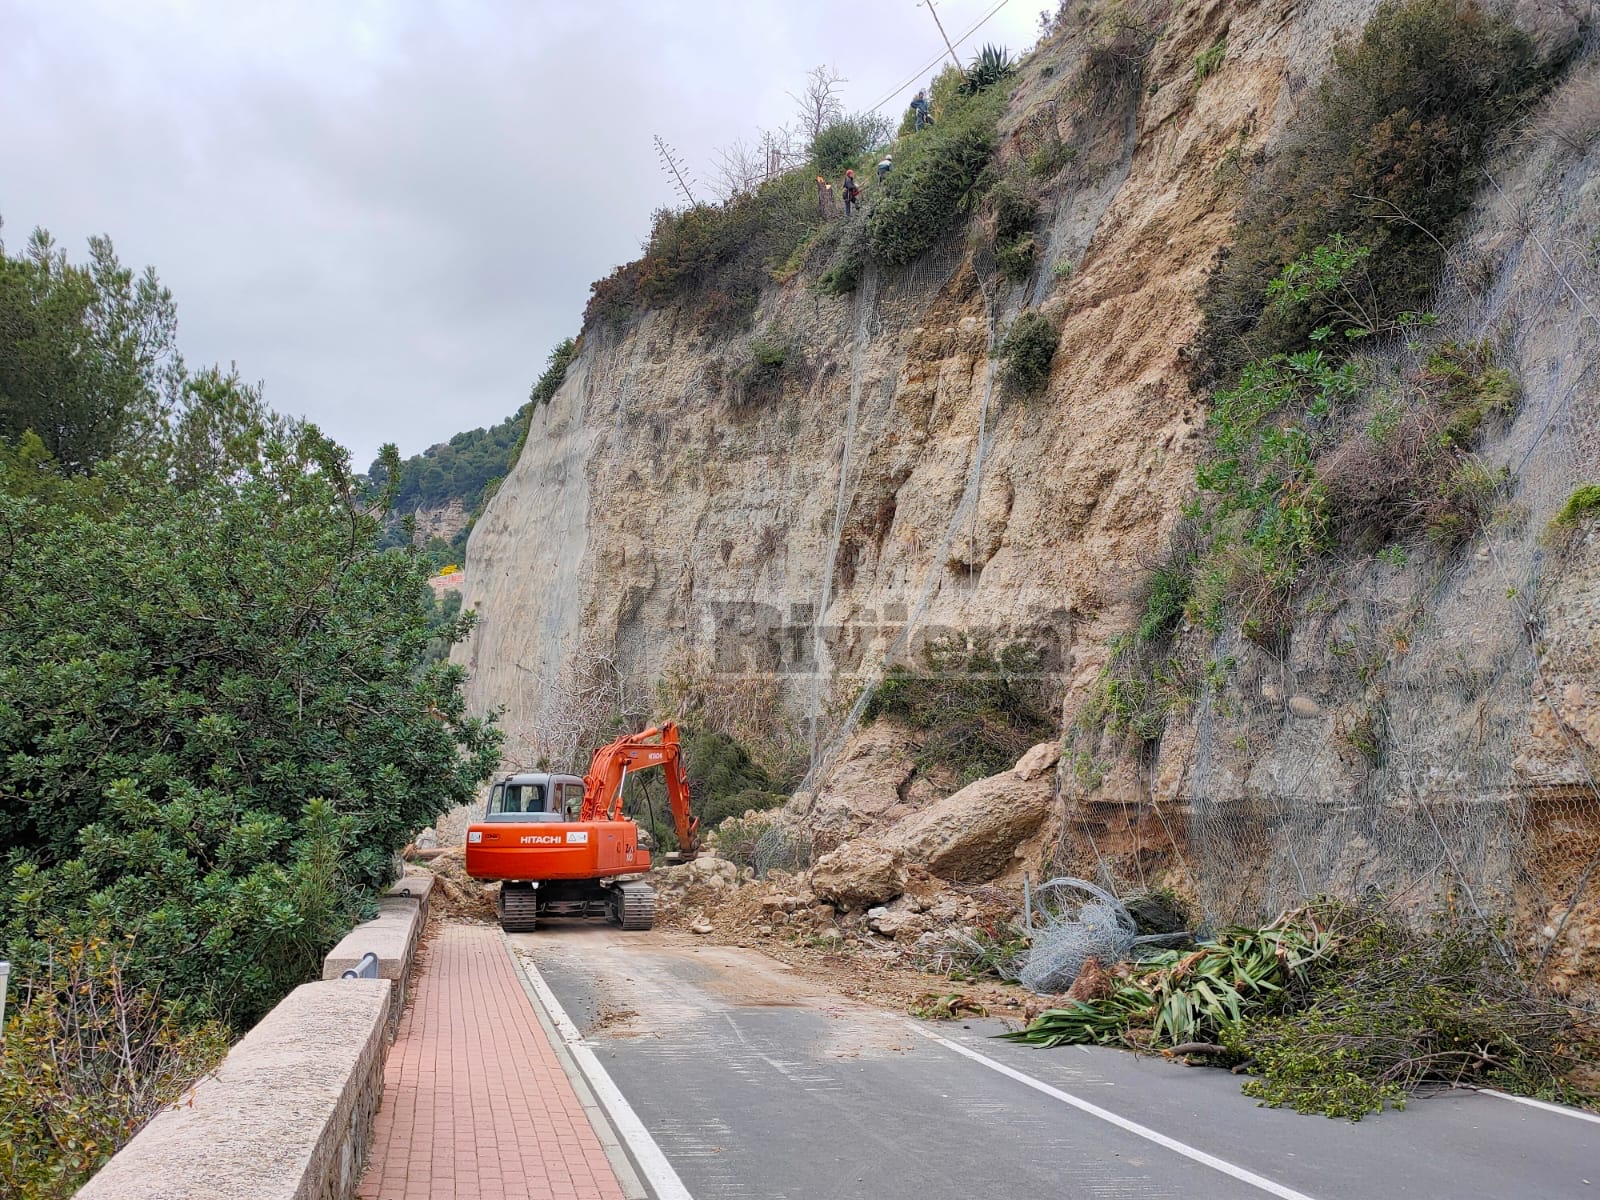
(213, 732)
(461, 469)
(843, 141)
(88, 353)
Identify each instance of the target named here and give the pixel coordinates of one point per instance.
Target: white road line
(663, 1180)
(1561, 1109)
(1133, 1127)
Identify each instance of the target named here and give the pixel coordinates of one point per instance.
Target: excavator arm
(609, 769)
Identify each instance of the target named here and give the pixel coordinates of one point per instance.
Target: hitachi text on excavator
(559, 845)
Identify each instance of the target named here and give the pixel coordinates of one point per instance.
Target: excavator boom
(609, 769)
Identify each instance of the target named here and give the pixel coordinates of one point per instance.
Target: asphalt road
(756, 1082)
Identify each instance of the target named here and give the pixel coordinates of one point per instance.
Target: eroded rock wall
(889, 481)
(1428, 727)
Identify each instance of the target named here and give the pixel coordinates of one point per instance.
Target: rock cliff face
(444, 522)
(889, 488)
(890, 482)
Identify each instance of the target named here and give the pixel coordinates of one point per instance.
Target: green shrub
(980, 710)
(770, 353)
(844, 141)
(1012, 213)
(936, 179)
(1386, 153)
(1464, 500)
(1583, 504)
(723, 779)
(760, 377)
(1209, 61)
(555, 372)
(1028, 349)
(1394, 1009)
(1047, 161)
(1016, 259)
(1410, 468)
(1465, 382)
(1168, 590)
(993, 952)
(1012, 210)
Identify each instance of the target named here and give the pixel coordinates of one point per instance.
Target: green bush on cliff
(978, 708)
(937, 178)
(555, 372)
(1028, 349)
(1387, 153)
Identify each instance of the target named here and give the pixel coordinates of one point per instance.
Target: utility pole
(935, 14)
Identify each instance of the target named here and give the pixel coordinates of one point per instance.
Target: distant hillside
(458, 470)
(446, 486)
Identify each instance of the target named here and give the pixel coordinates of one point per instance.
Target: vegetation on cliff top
(716, 258)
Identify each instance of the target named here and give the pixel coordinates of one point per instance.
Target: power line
(921, 71)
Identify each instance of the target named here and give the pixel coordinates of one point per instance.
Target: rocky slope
(892, 490)
(889, 480)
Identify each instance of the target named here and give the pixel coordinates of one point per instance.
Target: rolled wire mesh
(1067, 931)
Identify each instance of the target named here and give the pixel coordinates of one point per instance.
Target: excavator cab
(534, 798)
(560, 845)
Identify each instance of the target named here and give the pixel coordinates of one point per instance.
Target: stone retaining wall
(288, 1114)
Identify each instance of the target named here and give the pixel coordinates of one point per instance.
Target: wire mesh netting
(1429, 732)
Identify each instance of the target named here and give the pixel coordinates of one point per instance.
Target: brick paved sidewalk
(475, 1103)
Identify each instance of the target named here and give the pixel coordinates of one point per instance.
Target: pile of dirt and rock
(456, 892)
(947, 874)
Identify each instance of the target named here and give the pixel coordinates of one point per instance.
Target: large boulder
(859, 874)
(863, 786)
(1038, 761)
(973, 835)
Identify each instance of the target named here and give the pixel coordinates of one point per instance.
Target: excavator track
(636, 905)
(518, 908)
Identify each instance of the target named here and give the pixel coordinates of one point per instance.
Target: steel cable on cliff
(869, 687)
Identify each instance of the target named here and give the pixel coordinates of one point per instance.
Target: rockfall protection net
(1428, 734)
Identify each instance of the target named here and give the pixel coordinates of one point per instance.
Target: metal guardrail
(367, 968)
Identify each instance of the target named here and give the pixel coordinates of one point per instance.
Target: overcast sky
(390, 211)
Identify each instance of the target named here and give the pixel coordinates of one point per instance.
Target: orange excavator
(559, 845)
